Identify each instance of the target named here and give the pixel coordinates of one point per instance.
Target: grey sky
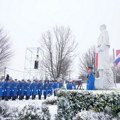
(25, 20)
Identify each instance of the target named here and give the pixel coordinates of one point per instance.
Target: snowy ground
(52, 108)
(116, 86)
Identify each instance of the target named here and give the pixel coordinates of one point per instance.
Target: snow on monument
(106, 79)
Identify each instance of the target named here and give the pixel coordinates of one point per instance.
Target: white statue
(106, 79)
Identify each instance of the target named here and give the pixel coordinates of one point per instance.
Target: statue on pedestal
(106, 79)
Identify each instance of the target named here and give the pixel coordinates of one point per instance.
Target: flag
(117, 59)
(117, 52)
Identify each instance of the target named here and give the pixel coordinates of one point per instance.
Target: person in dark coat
(91, 79)
(7, 77)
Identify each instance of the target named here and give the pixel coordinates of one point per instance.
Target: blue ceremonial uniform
(14, 90)
(40, 89)
(55, 87)
(28, 90)
(69, 86)
(60, 85)
(7, 90)
(34, 90)
(21, 90)
(25, 88)
(18, 93)
(50, 88)
(73, 86)
(11, 89)
(45, 88)
(90, 82)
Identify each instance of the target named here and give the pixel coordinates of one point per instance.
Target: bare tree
(58, 50)
(5, 50)
(87, 59)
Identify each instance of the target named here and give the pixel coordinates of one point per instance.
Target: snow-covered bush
(91, 115)
(52, 101)
(64, 112)
(77, 101)
(31, 112)
(7, 113)
(4, 110)
(45, 113)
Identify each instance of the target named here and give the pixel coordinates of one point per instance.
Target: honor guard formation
(14, 89)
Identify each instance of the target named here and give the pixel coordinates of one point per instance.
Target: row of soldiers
(25, 89)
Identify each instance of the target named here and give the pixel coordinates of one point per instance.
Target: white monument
(106, 79)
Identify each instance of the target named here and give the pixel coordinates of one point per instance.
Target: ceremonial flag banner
(117, 52)
(117, 59)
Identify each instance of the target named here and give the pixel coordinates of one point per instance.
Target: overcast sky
(25, 20)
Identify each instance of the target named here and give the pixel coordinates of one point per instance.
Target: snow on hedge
(28, 112)
(92, 115)
(71, 103)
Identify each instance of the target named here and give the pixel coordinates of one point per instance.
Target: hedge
(72, 102)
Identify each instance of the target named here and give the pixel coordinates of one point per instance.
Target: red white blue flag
(117, 59)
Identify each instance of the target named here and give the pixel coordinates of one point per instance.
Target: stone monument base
(106, 81)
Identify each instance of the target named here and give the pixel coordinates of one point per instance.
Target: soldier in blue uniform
(91, 79)
(21, 90)
(28, 89)
(45, 89)
(73, 85)
(18, 93)
(69, 85)
(34, 89)
(50, 85)
(15, 88)
(25, 88)
(40, 89)
(60, 84)
(11, 89)
(55, 87)
(7, 90)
